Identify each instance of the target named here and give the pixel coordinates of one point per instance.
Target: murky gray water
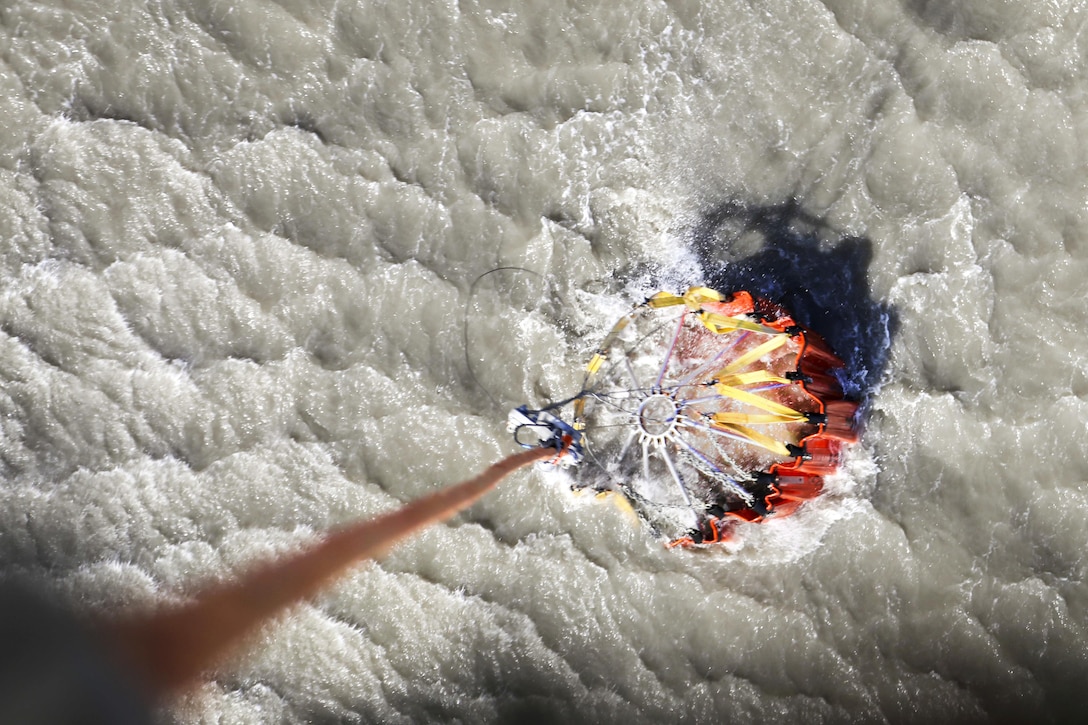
(237, 242)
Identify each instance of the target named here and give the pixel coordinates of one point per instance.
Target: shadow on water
(790, 257)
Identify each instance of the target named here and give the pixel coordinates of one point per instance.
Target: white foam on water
(238, 242)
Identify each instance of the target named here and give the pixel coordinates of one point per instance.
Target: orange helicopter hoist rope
(170, 649)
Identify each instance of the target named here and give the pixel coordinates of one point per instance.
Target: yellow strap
(579, 414)
(718, 324)
(754, 354)
(621, 503)
(616, 330)
(759, 439)
(751, 378)
(762, 403)
(664, 299)
(696, 297)
(601, 355)
(751, 418)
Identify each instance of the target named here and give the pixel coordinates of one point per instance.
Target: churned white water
(238, 242)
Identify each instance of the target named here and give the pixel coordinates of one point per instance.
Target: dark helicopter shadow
(788, 256)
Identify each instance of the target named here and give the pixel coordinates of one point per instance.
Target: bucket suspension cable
(701, 409)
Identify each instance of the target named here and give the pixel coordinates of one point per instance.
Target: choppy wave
(238, 244)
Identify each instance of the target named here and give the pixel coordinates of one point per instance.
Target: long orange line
(169, 650)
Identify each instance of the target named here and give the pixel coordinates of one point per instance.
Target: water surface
(237, 245)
